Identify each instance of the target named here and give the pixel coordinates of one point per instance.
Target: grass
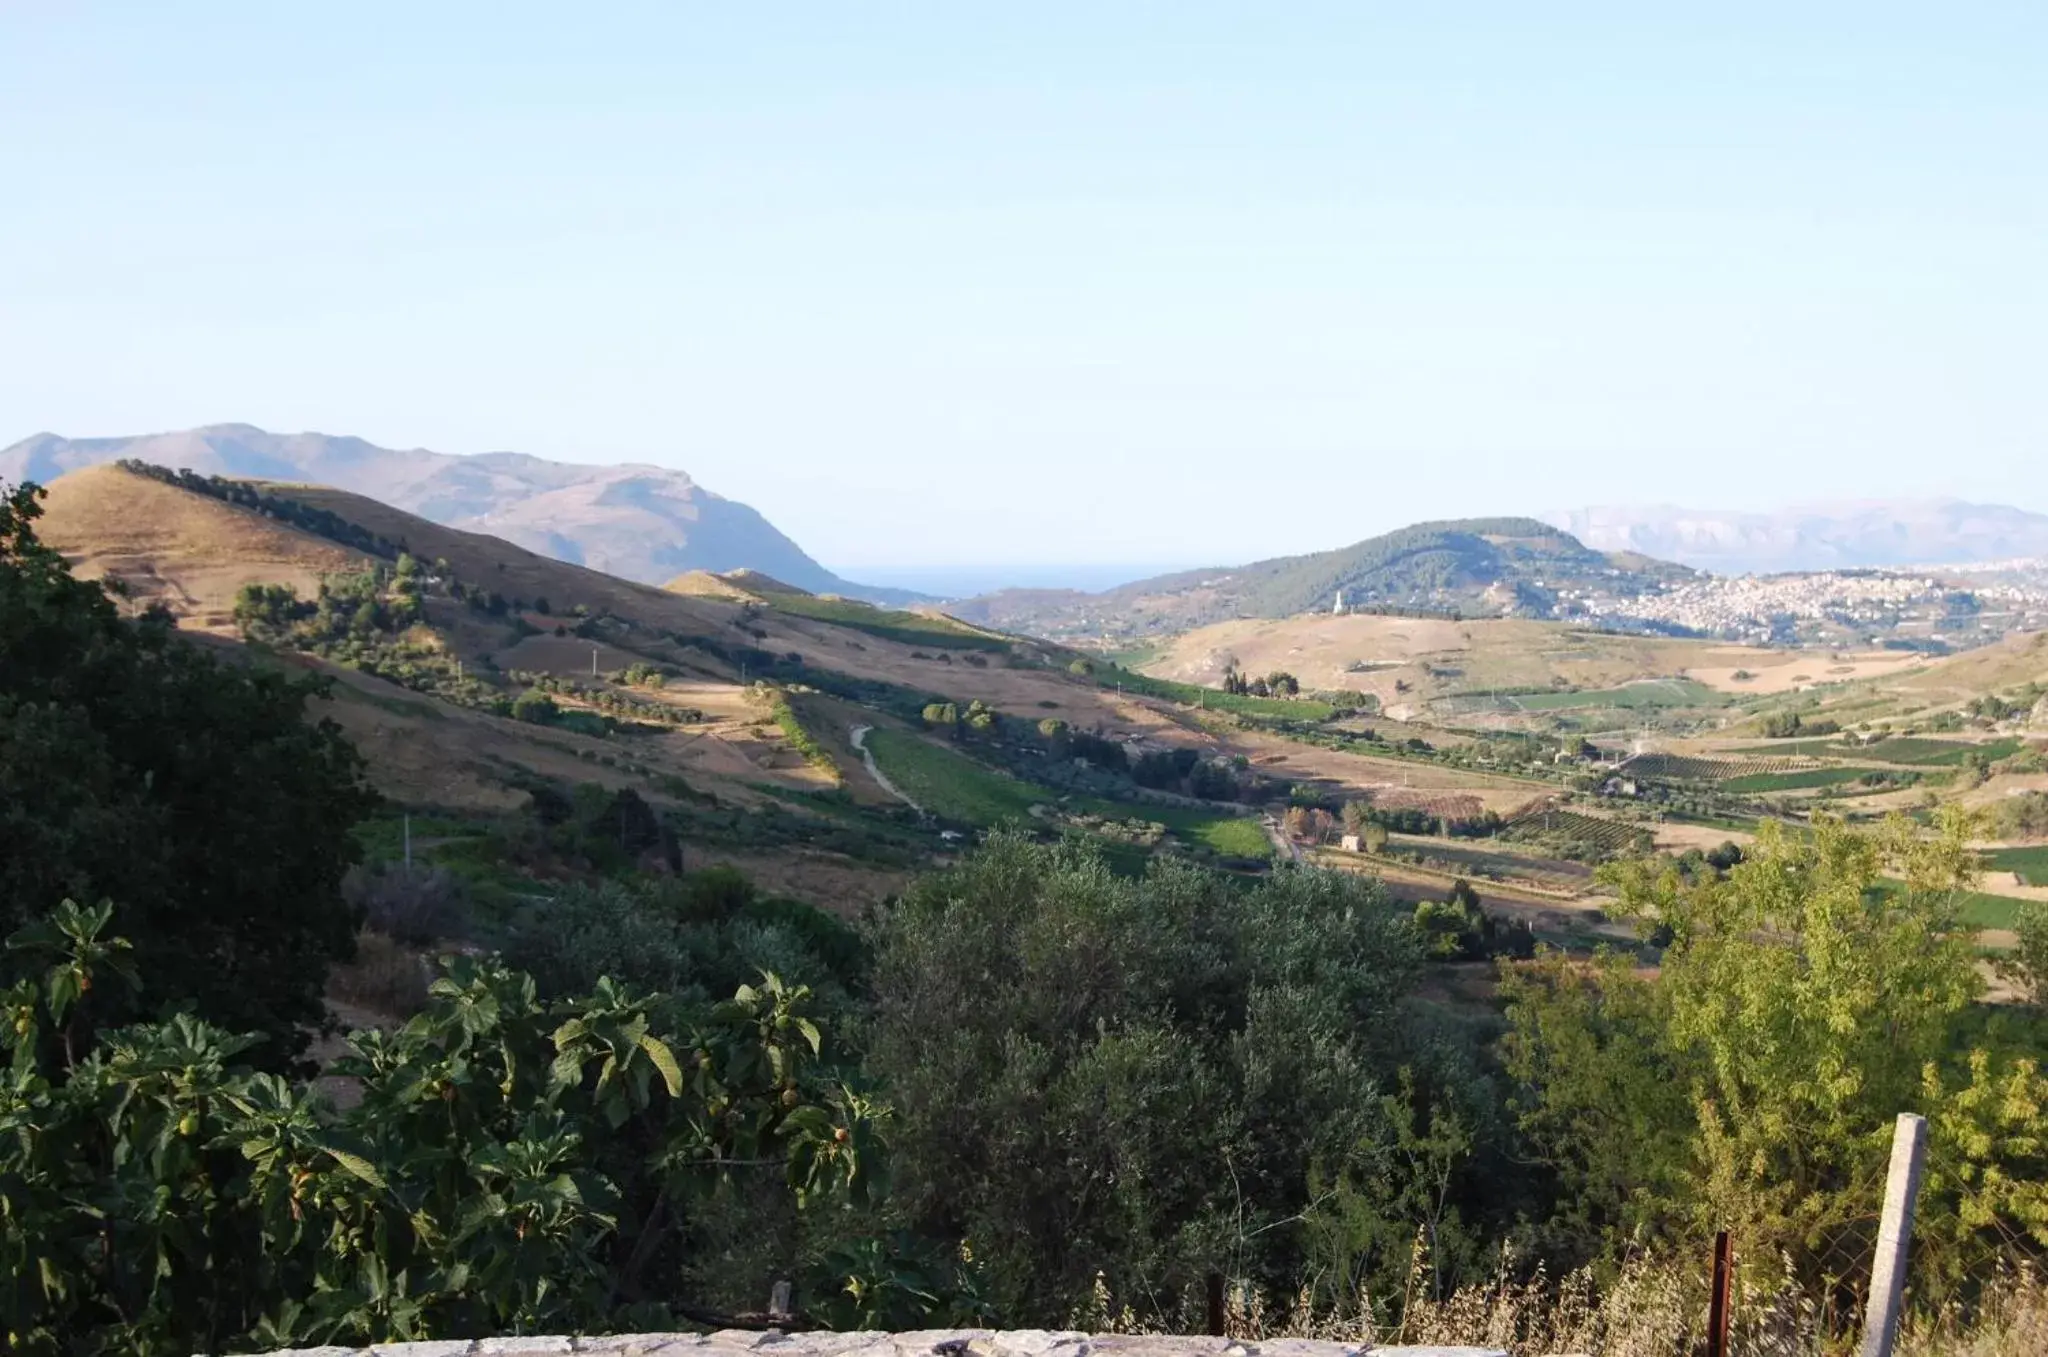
(890, 624)
(2031, 863)
(1801, 780)
(1650, 693)
(952, 785)
(1976, 909)
(1235, 838)
(955, 787)
(1981, 909)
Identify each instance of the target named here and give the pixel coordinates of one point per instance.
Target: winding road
(859, 736)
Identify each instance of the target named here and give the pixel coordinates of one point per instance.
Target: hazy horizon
(1141, 284)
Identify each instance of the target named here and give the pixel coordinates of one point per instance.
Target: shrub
(385, 977)
(414, 905)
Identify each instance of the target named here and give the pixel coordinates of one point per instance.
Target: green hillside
(1472, 566)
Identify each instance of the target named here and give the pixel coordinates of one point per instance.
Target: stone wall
(929, 1343)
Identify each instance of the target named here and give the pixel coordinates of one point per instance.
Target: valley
(1514, 753)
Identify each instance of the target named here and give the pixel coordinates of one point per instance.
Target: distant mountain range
(1478, 566)
(1833, 536)
(644, 523)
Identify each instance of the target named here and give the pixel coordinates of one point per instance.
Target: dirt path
(859, 738)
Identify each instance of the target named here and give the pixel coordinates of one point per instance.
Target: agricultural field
(955, 787)
(1686, 768)
(949, 785)
(1598, 835)
(1918, 751)
(1803, 779)
(906, 628)
(2030, 863)
(1646, 693)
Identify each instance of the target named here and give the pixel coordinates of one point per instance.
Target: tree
(1094, 1073)
(2026, 968)
(193, 792)
(535, 706)
(1804, 1001)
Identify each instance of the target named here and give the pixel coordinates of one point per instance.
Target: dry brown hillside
(184, 551)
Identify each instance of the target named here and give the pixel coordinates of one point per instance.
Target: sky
(952, 285)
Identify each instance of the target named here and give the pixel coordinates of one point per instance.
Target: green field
(1802, 780)
(1914, 750)
(1977, 909)
(2031, 863)
(890, 624)
(955, 787)
(1981, 909)
(952, 785)
(1650, 693)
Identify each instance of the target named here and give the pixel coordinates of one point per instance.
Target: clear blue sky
(1109, 282)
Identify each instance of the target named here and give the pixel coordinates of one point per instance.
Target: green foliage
(1426, 564)
(1093, 1072)
(137, 767)
(536, 707)
(1790, 724)
(691, 938)
(1456, 928)
(514, 1165)
(1752, 1086)
(792, 727)
(2026, 969)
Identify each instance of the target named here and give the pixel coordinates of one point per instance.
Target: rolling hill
(638, 522)
(1484, 567)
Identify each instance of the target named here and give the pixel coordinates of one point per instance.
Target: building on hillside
(1351, 843)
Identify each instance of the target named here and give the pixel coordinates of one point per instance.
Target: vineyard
(1685, 768)
(1607, 838)
(1443, 805)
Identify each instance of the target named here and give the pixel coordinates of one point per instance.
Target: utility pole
(593, 661)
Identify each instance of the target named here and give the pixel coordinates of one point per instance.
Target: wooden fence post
(1217, 1313)
(1894, 1237)
(1717, 1306)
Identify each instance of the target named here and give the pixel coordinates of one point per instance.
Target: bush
(418, 906)
(385, 977)
(513, 1165)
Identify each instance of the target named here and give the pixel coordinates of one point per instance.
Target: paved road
(1286, 847)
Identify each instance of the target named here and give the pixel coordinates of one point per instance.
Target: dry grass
(386, 978)
(1650, 1308)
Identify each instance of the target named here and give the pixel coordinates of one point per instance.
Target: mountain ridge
(635, 520)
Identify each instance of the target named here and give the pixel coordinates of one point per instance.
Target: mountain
(1478, 566)
(639, 522)
(1826, 536)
